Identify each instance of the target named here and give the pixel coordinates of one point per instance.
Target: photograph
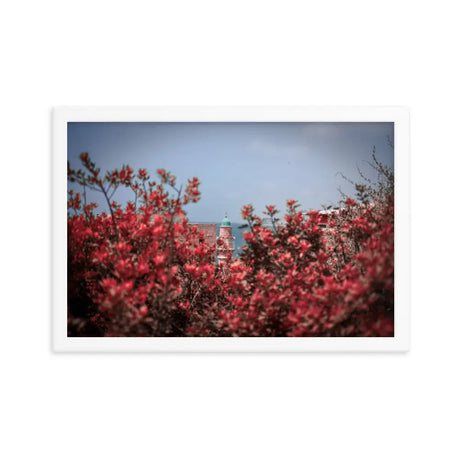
(230, 229)
(222, 232)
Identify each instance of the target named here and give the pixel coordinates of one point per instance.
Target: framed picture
(230, 229)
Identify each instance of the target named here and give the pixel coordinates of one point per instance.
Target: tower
(225, 246)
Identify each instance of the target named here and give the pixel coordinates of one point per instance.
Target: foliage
(144, 270)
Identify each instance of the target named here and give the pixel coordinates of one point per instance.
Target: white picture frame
(399, 116)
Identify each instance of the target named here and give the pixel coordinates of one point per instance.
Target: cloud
(271, 149)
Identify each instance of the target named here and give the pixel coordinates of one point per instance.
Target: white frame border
(400, 116)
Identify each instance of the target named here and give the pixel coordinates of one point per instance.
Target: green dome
(225, 222)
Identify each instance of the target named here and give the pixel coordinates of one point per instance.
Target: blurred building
(224, 244)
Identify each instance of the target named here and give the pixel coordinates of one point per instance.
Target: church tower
(225, 245)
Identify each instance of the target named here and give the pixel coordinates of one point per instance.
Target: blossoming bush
(138, 271)
(142, 270)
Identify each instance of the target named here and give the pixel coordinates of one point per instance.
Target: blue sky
(238, 163)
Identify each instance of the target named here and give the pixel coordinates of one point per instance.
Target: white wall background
(218, 53)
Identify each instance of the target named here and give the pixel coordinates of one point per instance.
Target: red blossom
(154, 277)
